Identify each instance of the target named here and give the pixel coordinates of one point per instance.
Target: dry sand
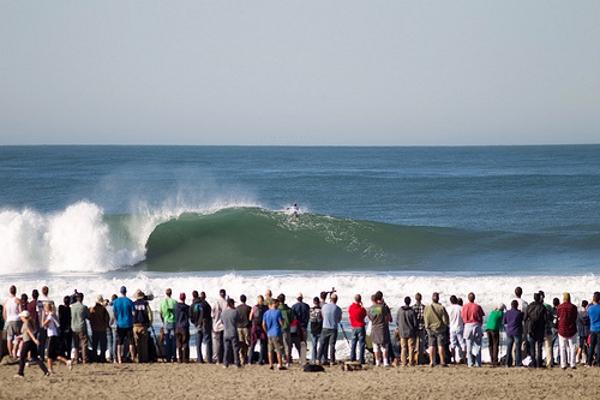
(193, 381)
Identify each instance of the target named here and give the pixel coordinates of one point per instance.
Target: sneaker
(19, 376)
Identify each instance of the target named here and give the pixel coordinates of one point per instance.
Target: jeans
(258, 335)
(99, 340)
(169, 335)
(516, 340)
(231, 344)
(42, 335)
(327, 342)
(594, 347)
(218, 346)
(535, 350)
(314, 339)
(457, 344)
(473, 336)
(358, 337)
(110, 341)
(493, 346)
(568, 347)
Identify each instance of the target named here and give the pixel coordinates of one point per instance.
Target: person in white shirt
(51, 324)
(522, 303)
(218, 326)
(457, 343)
(10, 311)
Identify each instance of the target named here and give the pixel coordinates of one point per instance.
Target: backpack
(316, 320)
(313, 368)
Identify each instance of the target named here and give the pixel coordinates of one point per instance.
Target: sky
(279, 72)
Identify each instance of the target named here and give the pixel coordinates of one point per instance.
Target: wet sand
(191, 381)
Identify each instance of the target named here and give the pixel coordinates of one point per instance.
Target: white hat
(24, 314)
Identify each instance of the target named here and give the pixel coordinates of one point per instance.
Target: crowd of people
(121, 329)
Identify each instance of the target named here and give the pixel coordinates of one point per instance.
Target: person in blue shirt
(594, 315)
(273, 325)
(123, 310)
(332, 316)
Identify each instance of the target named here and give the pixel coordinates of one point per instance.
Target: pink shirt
(472, 313)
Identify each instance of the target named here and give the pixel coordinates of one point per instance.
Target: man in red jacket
(567, 331)
(357, 315)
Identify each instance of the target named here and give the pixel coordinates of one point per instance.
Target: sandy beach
(193, 380)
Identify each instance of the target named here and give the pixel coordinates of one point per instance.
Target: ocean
(399, 219)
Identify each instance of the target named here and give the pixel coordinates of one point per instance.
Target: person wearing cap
(123, 309)
(231, 319)
(357, 314)
(142, 320)
(167, 315)
(30, 344)
(567, 331)
(100, 323)
(492, 329)
(182, 329)
(79, 315)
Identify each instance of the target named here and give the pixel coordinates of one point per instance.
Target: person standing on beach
(142, 321)
(205, 331)
(379, 315)
(492, 329)
(111, 333)
(567, 331)
(548, 333)
(536, 318)
(457, 342)
(11, 310)
(100, 323)
(272, 324)
(217, 309)
(406, 319)
(583, 331)
(231, 321)
(167, 315)
(51, 323)
(66, 335)
(513, 326)
(436, 322)
(316, 327)
(288, 317)
(123, 309)
(332, 316)
(79, 315)
(594, 315)
(36, 311)
(243, 327)
(182, 329)
(357, 314)
(472, 315)
(419, 308)
(30, 344)
(302, 312)
(257, 333)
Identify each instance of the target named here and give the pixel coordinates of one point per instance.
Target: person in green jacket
(492, 328)
(288, 316)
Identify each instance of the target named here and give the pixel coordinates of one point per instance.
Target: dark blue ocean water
(539, 195)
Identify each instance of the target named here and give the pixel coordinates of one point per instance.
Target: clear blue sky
(300, 72)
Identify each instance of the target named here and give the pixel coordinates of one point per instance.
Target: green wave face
(253, 238)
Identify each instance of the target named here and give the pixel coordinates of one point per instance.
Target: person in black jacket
(536, 318)
(65, 334)
(406, 319)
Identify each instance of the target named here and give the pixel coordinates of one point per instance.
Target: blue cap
(123, 290)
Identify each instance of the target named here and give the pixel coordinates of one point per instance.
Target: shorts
(53, 348)
(378, 348)
(275, 344)
(124, 333)
(436, 338)
(13, 329)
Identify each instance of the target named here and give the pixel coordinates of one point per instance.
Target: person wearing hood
(142, 321)
(408, 326)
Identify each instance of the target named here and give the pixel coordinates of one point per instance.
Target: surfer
(294, 211)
